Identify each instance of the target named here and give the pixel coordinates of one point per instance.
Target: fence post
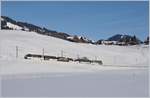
(43, 53)
(16, 51)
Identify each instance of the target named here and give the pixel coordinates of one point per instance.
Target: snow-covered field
(112, 83)
(30, 42)
(124, 71)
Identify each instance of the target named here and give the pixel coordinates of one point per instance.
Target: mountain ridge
(8, 23)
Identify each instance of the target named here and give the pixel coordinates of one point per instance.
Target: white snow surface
(111, 83)
(15, 27)
(113, 57)
(124, 72)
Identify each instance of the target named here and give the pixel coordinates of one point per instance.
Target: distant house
(121, 43)
(105, 42)
(99, 42)
(79, 39)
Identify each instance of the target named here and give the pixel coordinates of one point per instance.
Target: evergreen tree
(133, 40)
(147, 41)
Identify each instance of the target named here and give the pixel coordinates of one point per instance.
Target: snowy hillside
(31, 42)
(11, 24)
(124, 71)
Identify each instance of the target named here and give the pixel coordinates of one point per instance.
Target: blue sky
(95, 20)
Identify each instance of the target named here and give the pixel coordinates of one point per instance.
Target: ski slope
(113, 57)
